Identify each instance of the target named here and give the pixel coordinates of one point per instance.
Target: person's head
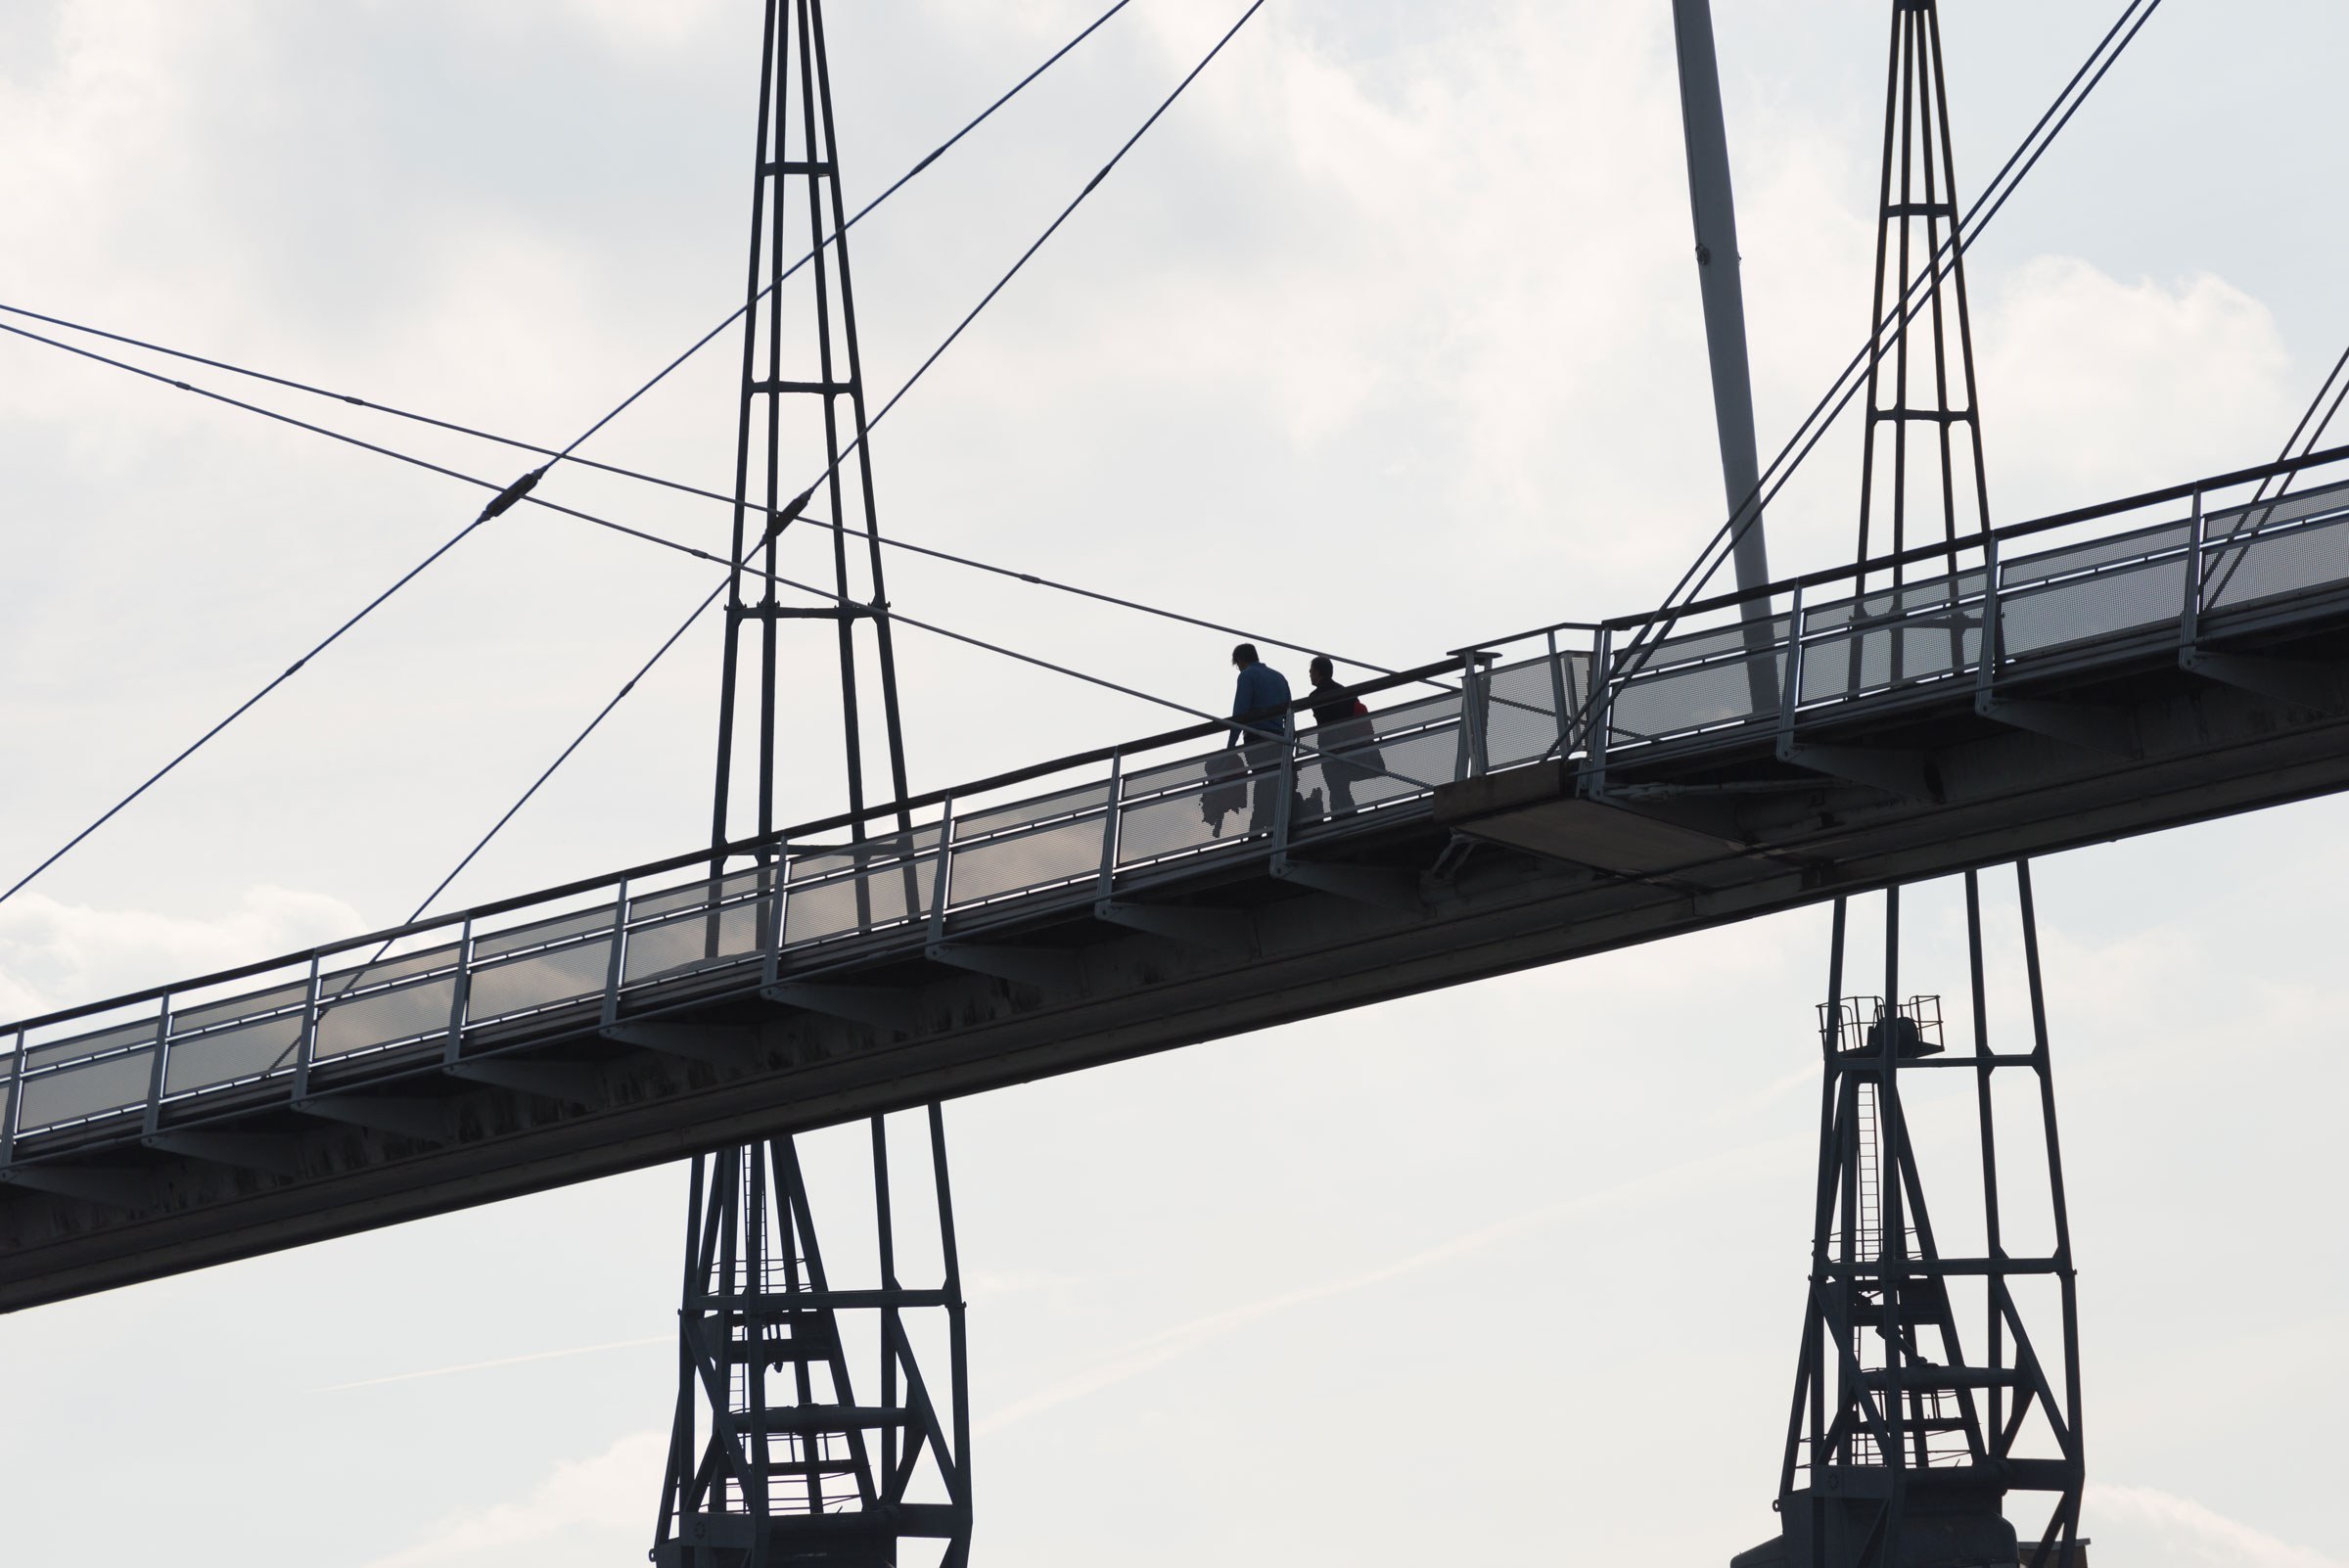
(1243, 656)
(1320, 670)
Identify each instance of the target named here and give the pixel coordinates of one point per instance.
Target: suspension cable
(1808, 433)
(506, 496)
(601, 522)
(564, 453)
(847, 605)
(738, 313)
(577, 741)
(497, 505)
(2261, 501)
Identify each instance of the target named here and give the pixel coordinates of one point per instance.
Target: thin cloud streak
(503, 1360)
(1147, 1355)
(2205, 1532)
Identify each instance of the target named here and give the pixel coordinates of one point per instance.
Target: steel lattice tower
(1904, 1440)
(774, 1457)
(1902, 1445)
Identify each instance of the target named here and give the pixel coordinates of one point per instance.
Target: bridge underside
(1503, 872)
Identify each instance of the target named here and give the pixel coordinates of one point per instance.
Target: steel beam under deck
(1684, 837)
(201, 1122)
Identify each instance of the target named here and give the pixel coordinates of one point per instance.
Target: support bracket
(2088, 725)
(426, 1121)
(1222, 930)
(882, 1007)
(1382, 885)
(112, 1185)
(2289, 681)
(1896, 772)
(1051, 968)
(719, 1044)
(238, 1151)
(573, 1083)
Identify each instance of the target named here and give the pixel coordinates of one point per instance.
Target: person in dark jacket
(1261, 699)
(1342, 736)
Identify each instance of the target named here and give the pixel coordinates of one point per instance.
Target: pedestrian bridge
(2165, 659)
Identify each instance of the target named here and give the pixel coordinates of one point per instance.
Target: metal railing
(2095, 586)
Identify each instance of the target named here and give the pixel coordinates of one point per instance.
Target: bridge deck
(2160, 661)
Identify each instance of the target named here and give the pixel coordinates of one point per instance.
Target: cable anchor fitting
(788, 514)
(504, 500)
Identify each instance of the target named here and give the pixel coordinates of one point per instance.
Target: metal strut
(1903, 1442)
(1715, 214)
(775, 1456)
(1904, 1439)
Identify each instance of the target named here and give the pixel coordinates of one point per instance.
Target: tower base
(1954, 1528)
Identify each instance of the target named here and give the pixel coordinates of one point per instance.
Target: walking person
(1259, 715)
(1342, 734)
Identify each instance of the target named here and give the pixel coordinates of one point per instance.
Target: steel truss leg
(774, 1459)
(1901, 1447)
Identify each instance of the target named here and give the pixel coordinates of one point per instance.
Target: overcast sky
(1385, 340)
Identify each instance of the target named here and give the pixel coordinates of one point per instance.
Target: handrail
(2013, 530)
(1600, 684)
(678, 862)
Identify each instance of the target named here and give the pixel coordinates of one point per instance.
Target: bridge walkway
(2166, 659)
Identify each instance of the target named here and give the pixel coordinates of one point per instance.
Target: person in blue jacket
(1262, 696)
(1262, 699)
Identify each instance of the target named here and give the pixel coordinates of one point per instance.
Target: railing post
(1109, 822)
(782, 911)
(460, 990)
(1557, 689)
(2190, 614)
(1986, 664)
(9, 1113)
(1473, 760)
(152, 1121)
(1284, 804)
(305, 1048)
(941, 887)
(1603, 698)
(1791, 682)
(614, 962)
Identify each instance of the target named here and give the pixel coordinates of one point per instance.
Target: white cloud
(2094, 386)
(54, 955)
(599, 1497)
(2189, 1533)
(1155, 1349)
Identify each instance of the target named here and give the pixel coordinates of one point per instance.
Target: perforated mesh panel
(245, 1050)
(336, 985)
(883, 849)
(386, 1017)
(543, 933)
(1173, 823)
(1009, 863)
(1521, 711)
(96, 1042)
(2091, 607)
(969, 825)
(2267, 514)
(1870, 661)
(2024, 570)
(523, 984)
(701, 895)
(891, 893)
(2276, 562)
(690, 941)
(1650, 707)
(92, 1088)
(250, 1005)
(1415, 763)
